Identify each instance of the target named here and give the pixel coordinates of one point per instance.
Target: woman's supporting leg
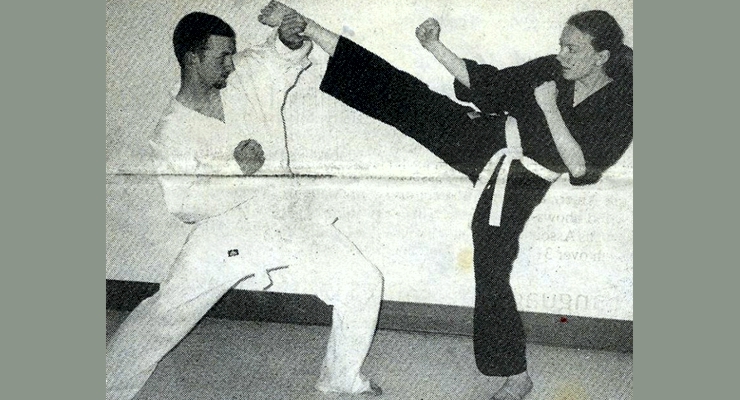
(499, 338)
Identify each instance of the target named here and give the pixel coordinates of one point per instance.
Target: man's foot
(272, 14)
(374, 390)
(516, 387)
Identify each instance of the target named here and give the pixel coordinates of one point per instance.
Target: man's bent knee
(368, 280)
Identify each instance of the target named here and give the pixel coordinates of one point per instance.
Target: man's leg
(356, 304)
(333, 269)
(199, 278)
(149, 333)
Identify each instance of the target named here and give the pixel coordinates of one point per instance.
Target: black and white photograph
(402, 200)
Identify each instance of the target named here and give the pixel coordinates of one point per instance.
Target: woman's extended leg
(367, 83)
(372, 86)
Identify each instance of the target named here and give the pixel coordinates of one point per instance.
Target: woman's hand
(569, 150)
(547, 96)
(428, 33)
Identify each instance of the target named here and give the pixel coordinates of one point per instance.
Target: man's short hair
(192, 32)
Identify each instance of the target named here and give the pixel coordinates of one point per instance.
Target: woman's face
(578, 56)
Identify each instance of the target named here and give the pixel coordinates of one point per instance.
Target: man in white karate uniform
(226, 120)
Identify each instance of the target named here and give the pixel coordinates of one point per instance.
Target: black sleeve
(605, 136)
(497, 90)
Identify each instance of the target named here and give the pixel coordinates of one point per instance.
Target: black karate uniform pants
(367, 83)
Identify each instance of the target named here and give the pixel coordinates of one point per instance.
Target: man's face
(578, 56)
(215, 62)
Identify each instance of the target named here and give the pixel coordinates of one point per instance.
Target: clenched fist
(290, 30)
(428, 32)
(249, 155)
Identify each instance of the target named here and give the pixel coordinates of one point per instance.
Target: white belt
(513, 151)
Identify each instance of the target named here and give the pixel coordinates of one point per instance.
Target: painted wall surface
(404, 207)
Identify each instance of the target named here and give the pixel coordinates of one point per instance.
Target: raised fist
(273, 13)
(428, 32)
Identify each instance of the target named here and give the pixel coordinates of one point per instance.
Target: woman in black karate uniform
(574, 116)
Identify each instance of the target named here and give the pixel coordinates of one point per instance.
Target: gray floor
(224, 359)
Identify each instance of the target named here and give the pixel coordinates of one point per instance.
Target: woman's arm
(295, 24)
(428, 35)
(294, 28)
(570, 151)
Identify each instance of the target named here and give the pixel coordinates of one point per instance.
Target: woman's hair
(606, 34)
(192, 32)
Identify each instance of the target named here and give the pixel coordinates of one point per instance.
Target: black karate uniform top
(601, 124)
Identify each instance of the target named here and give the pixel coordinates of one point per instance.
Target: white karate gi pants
(321, 261)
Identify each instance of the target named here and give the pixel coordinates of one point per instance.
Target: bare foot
(374, 390)
(516, 387)
(272, 14)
